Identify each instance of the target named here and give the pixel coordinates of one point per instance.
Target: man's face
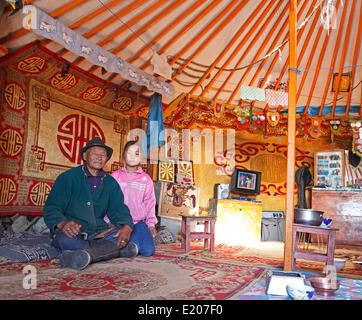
(96, 157)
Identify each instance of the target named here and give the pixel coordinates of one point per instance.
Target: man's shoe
(129, 251)
(75, 259)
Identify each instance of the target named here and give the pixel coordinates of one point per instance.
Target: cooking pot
(308, 216)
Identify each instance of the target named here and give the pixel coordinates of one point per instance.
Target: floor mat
(160, 277)
(268, 254)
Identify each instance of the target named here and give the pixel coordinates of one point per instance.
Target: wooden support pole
(288, 242)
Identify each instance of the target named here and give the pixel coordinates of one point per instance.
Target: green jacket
(71, 199)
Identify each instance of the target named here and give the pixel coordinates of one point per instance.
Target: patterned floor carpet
(229, 273)
(160, 277)
(269, 254)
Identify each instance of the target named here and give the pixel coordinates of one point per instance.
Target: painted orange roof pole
(292, 97)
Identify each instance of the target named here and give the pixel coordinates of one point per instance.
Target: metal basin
(324, 286)
(308, 216)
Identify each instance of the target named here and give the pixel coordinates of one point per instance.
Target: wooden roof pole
(108, 21)
(83, 20)
(143, 29)
(226, 21)
(299, 35)
(172, 25)
(260, 50)
(118, 31)
(320, 59)
(344, 50)
(242, 43)
(289, 206)
(310, 58)
(334, 56)
(54, 14)
(256, 73)
(355, 56)
(206, 42)
(229, 45)
(192, 23)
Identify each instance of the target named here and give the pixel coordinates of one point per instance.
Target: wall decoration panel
(45, 120)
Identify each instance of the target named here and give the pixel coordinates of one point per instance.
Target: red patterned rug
(160, 277)
(269, 254)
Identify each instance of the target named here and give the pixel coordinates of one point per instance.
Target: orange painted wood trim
(87, 18)
(320, 59)
(179, 34)
(272, 46)
(289, 218)
(207, 41)
(143, 29)
(344, 50)
(241, 44)
(335, 51)
(105, 23)
(172, 25)
(260, 50)
(355, 57)
(305, 45)
(226, 21)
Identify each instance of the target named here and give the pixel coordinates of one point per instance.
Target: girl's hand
(153, 231)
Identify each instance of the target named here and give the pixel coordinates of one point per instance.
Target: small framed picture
(185, 172)
(166, 171)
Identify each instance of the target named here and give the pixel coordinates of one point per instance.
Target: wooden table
(310, 255)
(207, 234)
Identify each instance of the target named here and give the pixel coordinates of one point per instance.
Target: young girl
(139, 196)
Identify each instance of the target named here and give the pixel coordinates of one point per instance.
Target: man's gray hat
(96, 142)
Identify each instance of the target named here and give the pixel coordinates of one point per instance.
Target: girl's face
(133, 156)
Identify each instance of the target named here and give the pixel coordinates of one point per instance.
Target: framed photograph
(166, 171)
(185, 172)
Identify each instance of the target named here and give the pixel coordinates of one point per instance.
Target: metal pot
(308, 216)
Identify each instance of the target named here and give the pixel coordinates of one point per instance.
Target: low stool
(208, 234)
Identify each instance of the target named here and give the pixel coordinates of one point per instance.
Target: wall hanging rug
(159, 277)
(47, 117)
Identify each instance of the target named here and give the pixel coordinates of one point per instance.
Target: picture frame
(329, 168)
(185, 172)
(166, 171)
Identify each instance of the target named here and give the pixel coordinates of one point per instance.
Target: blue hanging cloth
(154, 131)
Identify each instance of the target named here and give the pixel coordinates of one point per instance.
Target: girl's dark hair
(127, 145)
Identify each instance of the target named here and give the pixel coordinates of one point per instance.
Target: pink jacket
(139, 195)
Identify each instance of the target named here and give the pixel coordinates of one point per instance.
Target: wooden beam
(320, 59)
(236, 51)
(186, 28)
(355, 56)
(167, 29)
(344, 50)
(260, 50)
(87, 18)
(272, 46)
(208, 40)
(54, 14)
(289, 206)
(140, 31)
(334, 56)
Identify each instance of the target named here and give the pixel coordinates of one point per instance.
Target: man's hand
(123, 235)
(69, 228)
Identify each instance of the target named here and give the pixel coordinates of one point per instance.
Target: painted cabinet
(237, 222)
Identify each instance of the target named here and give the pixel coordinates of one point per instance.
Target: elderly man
(75, 209)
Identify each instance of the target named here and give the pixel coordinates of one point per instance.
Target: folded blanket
(26, 246)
